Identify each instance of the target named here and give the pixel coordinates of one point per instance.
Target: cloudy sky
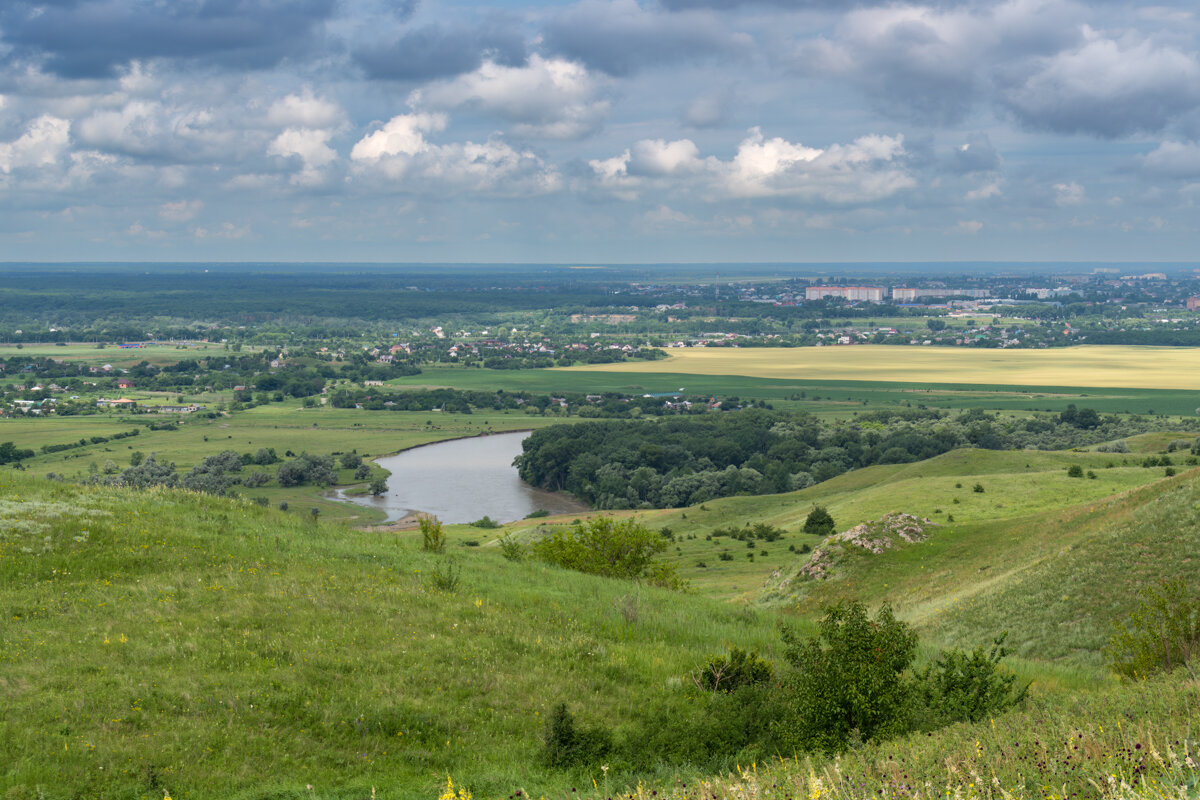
(598, 130)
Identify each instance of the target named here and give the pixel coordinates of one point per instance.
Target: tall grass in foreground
(1126, 741)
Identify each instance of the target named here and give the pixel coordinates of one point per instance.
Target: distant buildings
(1193, 303)
(867, 294)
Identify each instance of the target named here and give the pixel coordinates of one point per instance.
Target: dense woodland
(687, 460)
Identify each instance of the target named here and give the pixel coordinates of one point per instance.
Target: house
(124, 383)
(179, 409)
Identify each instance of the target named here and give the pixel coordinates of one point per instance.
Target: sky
(598, 131)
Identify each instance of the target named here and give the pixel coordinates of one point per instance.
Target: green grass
(169, 642)
(165, 641)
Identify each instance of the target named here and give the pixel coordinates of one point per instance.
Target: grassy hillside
(211, 648)
(164, 642)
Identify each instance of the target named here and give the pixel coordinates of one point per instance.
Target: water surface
(463, 480)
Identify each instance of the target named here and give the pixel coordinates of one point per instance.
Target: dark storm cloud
(92, 38)
(620, 37)
(439, 52)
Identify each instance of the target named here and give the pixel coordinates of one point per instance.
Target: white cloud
(968, 226)
(310, 147)
(660, 157)
(869, 168)
(1108, 87)
(548, 97)
(181, 210)
(1174, 159)
(44, 141)
(400, 154)
(402, 135)
(1068, 194)
(305, 110)
(866, 169)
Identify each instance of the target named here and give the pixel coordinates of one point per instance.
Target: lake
(462, 480)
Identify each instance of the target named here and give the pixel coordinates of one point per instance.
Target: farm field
(831, 398)
(157, 354)
(1100, 366)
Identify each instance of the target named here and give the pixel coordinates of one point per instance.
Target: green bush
(605, 546)
(1162, 633)
(567, 745)
(965, 687)
(484, 522)
(819, 522)
(1074, 471)
(847, 683)
(510, 548)
(445, 575)
(433, 538)
(731, 672)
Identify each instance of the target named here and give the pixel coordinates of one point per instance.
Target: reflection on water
(463, 480)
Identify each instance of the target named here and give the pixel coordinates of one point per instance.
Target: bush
(978, 488)
(541, 512)
(484, 522)
(819, 522)
(510, 548)
(732, 672)
(1161, 634)
(610, 547)
(846, 683)
(567, 745)
(445, 575)
(965, 687)
(1074, 471)
(433, 538)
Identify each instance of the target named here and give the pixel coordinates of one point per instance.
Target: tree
(819, 522)
(378, 487)
(935, 324)
(847, 682)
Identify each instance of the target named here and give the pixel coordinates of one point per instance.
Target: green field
(824, 397)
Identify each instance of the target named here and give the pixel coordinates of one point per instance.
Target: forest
(682, 461)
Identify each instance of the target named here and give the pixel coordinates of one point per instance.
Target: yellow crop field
(1096, 366)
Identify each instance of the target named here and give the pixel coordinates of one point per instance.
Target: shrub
(731, 672)
(1162, 633)
(847, 682)
(510, 548)
(610, 547)
(567, 745)
(541, 512)
(484, 522)
(433, 538)
(819, 522)
(978, 488)
(966, 687)
(445, 575)
(1074, 471)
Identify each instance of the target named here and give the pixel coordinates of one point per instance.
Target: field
(112, 354)
(283, 426)
(1110, 366)
(831, 398)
